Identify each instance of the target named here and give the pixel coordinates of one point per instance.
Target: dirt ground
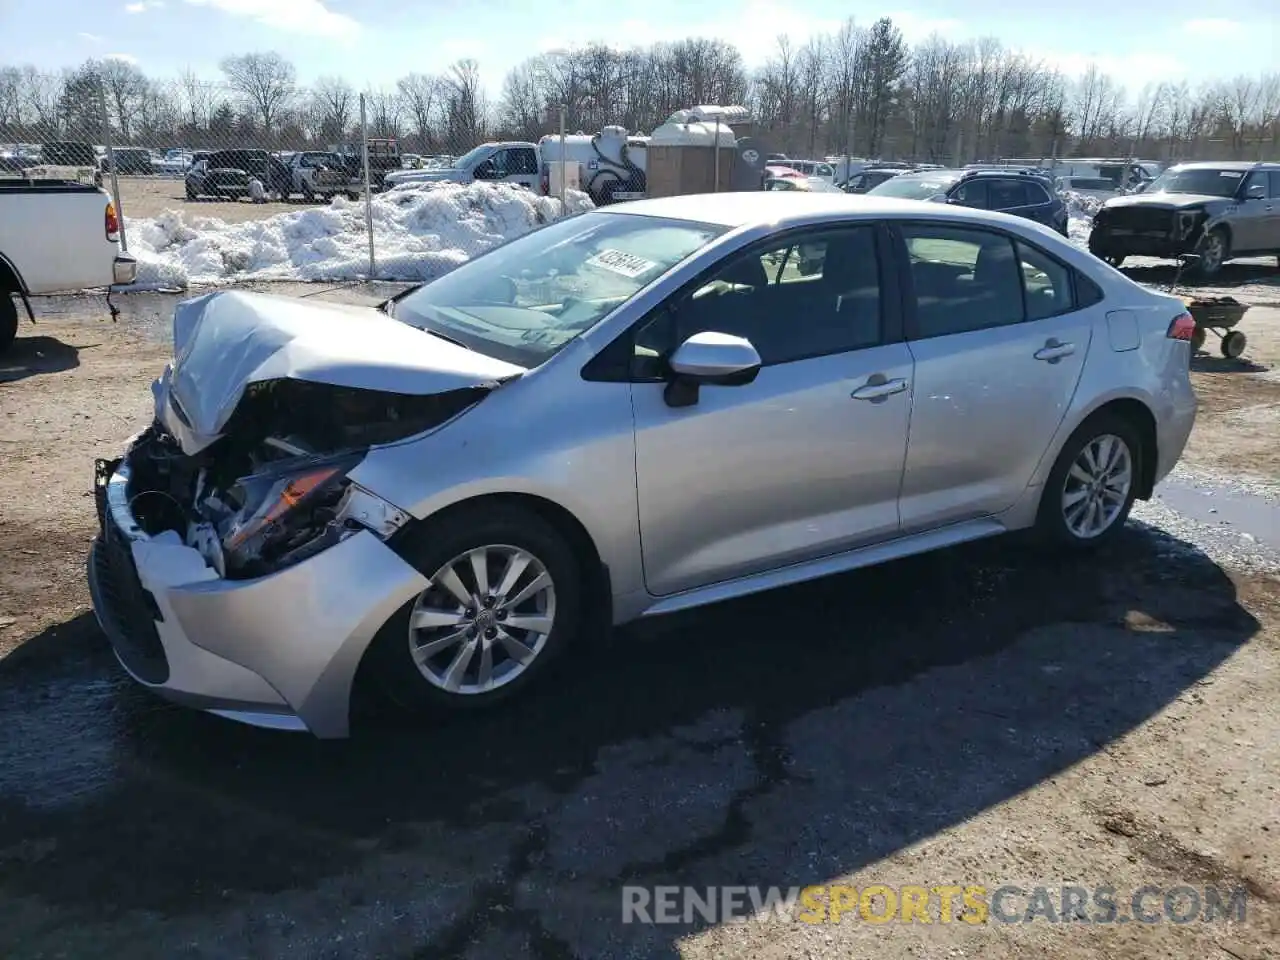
(151, 196)
(1000, 719)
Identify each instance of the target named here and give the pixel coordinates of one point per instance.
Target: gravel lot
(988, 715)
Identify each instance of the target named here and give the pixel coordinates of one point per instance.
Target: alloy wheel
(1097, 486)
(484, 618)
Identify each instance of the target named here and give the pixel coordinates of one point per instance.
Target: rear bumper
(124, 270)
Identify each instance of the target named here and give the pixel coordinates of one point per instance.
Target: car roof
(1227, 165)
(786, 208)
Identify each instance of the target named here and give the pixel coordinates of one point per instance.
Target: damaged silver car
(621, 414)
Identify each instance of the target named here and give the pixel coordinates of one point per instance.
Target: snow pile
(1080, 211)
(420, 231)
(1081, 205)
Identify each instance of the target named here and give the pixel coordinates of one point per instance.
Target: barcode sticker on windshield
(1233, 174)
(626, 264)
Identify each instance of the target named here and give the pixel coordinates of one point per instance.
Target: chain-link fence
(258, 178)
(215, 184)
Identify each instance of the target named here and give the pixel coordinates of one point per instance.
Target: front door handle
(878, 388)
(1054, 350)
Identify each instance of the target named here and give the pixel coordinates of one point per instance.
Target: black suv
(1017, 191)
(1215, 210)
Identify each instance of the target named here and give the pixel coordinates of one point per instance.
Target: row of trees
(862, 90)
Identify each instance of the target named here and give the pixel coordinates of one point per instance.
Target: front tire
(8, 321)
(504, 600)
(1092, 486)
(1214, 252)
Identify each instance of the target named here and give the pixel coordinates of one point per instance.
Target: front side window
(813, 295)
(972, 194)
(525, 300)
(962, 279)
(1256, 179)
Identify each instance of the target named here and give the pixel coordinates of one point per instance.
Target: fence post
(564, 162)
(111, 160)
(368, 190)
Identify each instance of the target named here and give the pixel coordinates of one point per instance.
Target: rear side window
(1005, 194)
(1047, 283)
(1035, 193)
(1275, 185)
(962, 279)
(1088, 293)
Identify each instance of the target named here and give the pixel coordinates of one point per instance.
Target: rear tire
(1092, 485)
(419, 682)
(8, 321)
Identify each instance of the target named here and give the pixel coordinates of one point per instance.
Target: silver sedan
(622, 414)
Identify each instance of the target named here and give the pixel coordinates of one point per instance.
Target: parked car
(225, 174)
(130, 161)
(1218, 211)
(56, 236)
(1098, 188)
(67, 153)
(449, 490)
(514, 162)
(870, 178)
(320, 175)
(1021, 193)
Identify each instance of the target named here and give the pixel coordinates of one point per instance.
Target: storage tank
(683, 151)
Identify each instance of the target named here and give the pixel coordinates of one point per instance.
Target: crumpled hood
(222, 342)
(1164, 201)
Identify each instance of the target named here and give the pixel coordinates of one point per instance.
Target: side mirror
(712, 359)
(1257, 191)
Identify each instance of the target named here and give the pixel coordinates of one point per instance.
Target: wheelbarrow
(1216, 315)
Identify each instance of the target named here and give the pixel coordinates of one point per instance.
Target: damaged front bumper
(277, 651)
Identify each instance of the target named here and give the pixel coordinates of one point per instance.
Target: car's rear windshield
(1207, 182)
(525, 300)
(909, 187)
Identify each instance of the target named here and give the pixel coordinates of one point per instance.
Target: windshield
(525, 300)
(914, 188)
(1212, 183)
(472, 157)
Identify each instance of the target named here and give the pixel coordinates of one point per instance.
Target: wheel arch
(1134, 411)
(10, 279)
(599, 592)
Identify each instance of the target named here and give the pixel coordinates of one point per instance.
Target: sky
(372, 42)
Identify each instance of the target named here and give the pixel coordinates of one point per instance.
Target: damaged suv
(624, 413)
(1214, 210)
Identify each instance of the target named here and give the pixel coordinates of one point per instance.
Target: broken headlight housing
(275, 519)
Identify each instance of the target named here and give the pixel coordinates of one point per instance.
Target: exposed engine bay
(272, 490)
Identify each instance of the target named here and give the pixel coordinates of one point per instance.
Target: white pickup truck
(55, 236)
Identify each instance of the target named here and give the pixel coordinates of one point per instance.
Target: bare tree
(198, 99)
(464, 105)
(420, 94)
(125, 88)
(267, 80)
(333, 105)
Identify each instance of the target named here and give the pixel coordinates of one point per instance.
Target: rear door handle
(1053, 351)
(879, 389)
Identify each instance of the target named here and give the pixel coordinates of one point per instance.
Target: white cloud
(1131, 70)
(1213, 28)
(89, 37)
(756, 44)
(916, 28)
(122, 57)
(142, 6)
(294, 16)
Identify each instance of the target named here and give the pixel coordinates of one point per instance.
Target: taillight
(1183, 327)
(111, 222)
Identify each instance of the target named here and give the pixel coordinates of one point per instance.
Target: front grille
(1141, 220)
(128, 607)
